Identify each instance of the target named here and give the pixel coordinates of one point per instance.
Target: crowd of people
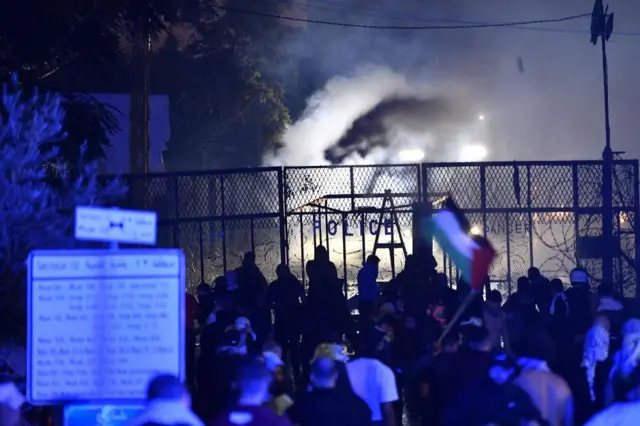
(552, 353)
(420, 351)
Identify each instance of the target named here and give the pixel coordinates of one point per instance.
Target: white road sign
(117, 225)
(102, 323)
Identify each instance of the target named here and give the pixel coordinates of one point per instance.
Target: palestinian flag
(472, 254)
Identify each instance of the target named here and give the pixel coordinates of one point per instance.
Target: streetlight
(411, 155)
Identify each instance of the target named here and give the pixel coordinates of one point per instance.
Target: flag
(473, 255)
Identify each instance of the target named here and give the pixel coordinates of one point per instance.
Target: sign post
(103, 322)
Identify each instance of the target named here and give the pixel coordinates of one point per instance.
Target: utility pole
(139, 143)
(601, 29)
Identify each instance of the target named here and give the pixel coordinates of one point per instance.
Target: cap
(579, 276)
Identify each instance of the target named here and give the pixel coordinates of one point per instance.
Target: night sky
(551, 108)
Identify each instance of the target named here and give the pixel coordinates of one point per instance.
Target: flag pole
(456, 317)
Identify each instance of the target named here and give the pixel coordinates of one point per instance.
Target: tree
(224, 99)
(78, 46)
(37, 192)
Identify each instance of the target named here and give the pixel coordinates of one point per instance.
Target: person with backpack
(495, 400)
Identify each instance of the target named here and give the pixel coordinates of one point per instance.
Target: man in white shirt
(373, 381)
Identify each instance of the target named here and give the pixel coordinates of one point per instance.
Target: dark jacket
(322, 407)
(488, 403)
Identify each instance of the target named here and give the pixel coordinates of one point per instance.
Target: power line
(333, 6)
(401, 27)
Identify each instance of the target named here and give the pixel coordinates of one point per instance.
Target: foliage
(77, 47)
(38, 193)
(221, 87)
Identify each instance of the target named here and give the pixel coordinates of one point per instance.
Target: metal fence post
(636, 224)
(576, 206)
(483, 199)
(352, 188)
(283, 216)
(176, 224)
(223, 224)
(529, 213)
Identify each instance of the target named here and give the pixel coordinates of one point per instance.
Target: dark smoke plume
(372, 128)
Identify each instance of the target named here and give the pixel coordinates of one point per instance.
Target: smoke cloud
(375, 114)
(539, 86)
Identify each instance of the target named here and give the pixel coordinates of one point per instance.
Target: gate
(534, 213)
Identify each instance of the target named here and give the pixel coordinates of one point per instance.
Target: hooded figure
(321, 271)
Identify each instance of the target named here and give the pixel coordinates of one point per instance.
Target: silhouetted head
(494, 297)
(282, 271)
(478, 338)
(168, 388)
(253, 380)
(204, 290)
(324, 373)
(537, 344)
(556, 286)
(410, 262)
(321, 254)
(533, 273)
(605, 289)
(523, 285)
(373, 259)
(249, 259)
(441, 280)
(579, 276)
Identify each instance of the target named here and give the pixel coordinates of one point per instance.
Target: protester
(494, 400)
(252, 381)
(610, 306)
(548, 391)
(253, 285)
(322, 272)
(280, 389)
(625, 362)
(191, 310)
(529, 362)
(373, 381)
(336, 353)
(434, 380)
(559, 326)
(469, 364)
(495, 319)
(625, 413)
(216, 388)
(368, 292)
(324, 405)
(540, 289)
(286, 297)
(168, 404)
(581, 302)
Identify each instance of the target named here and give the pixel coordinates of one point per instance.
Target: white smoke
(331, 111)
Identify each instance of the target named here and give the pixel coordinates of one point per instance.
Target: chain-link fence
(532, 212)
